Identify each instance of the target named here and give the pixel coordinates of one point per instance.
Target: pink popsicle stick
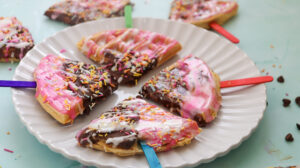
(246, 81)
(224, 32)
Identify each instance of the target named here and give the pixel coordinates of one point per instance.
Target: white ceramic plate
(242, 107)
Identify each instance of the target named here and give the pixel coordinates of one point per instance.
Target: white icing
(117, 140)
(165, 127)
(19, 45)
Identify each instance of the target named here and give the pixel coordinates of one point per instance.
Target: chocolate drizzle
(129, 67)
(119, 113)
(88, 82)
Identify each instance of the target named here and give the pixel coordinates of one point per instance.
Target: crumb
(286, 94)
(279, 66)
(7, 133)
(9, 69)
(280, 79)
(298, 126)
(286, 102)
(271, 46)
(274, 66)
(289, 137)
(297, 100)
(267, 73)
(263, 70)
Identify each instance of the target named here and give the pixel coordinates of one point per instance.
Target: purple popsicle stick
(17, 84)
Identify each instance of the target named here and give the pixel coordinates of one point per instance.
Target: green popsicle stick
(128, 17)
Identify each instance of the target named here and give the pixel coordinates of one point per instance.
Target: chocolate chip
(280, 79)
(297, 100)
(298, 126)
(286, 102)
(289, 137)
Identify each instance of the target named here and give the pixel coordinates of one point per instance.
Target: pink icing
(63, 51)
(157, 135)
(51, 86)
(200, 83)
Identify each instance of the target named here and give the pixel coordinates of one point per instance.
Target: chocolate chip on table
(297, 100)
(289, 137)
(298, 126)
(286, 102)
(280, 79)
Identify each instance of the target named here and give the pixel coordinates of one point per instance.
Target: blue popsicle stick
(151, 156)
(17, 84)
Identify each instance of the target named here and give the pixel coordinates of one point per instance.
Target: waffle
(67, 88)
(202, 12)
(129, 53)
(77, 11)
(119, 130)
(188, 87)
(15, 40)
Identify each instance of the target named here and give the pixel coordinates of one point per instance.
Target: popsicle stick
(246, 81)
(17, 84)
(224, 32)
(151, 156)
(128, 16)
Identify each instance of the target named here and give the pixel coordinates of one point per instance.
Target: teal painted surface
(258, 25)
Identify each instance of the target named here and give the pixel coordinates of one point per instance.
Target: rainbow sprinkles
(15, 40)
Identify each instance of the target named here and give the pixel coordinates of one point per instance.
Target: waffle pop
(119, 130)
(77, 11)
(203, 12)
(15, 40)
(188, 87)
(129, 53)
(67, 88)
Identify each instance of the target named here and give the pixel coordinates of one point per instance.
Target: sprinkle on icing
(128, 53)
(146, 121)
(189, 83)
(67, 84)
(191, 10)
(85, 10)
(14, 35)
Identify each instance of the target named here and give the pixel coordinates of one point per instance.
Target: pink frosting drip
(51, 86)
(202, 89)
